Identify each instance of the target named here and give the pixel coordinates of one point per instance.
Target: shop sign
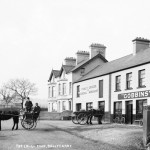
(131, 95)
(88, 90)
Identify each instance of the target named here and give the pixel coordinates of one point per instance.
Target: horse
(6, 115)
(96, 113)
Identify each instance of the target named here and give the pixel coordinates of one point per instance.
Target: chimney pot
(140, 44)
(97, 49)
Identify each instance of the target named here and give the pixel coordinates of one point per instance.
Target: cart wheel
(27, 123)
(82, 119)
(74, 119)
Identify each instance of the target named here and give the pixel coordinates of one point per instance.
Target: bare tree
(21, 88)
(6, 95)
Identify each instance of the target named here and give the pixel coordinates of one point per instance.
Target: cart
(29, 120)
(84, 117)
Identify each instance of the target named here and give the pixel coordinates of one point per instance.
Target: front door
(129, 112)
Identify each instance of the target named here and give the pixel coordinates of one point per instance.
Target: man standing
(36, 111)
(28, 105)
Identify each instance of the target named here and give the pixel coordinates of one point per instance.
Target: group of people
(29, 106)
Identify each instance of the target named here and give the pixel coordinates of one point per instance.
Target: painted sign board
(132, 95)
(88, 90)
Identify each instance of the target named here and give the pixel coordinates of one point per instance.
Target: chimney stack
(140, 44)
(97, 49)
(70, 61)
(82, 56)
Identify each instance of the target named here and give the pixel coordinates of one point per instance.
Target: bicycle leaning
(119, 120)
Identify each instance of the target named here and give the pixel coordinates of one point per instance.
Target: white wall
(91, 97)
(114, 95)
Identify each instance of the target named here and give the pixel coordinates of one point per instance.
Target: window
(53, 91)
(64, 89)
(101, 105)
(70, 87)
(139, 108)
(118, 83)
(142, 78)
(78, 91)
(59, 89)
(78, 106)
(128, 80)
(82, 70)
(69, 105)
(49, 92)
(63, 105)
(89, 106)
(117, 108)
(100, 88)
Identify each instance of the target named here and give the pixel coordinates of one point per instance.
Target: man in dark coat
(28, 105)
(36, 111)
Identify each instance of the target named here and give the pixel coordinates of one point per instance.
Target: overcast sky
(37, 35)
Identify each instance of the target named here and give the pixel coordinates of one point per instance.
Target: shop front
(130, 105)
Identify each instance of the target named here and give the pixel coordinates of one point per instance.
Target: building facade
(60, 87)
(120, 87)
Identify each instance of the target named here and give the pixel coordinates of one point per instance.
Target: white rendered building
(121, 87)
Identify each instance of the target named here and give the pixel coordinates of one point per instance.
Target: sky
(37, 35)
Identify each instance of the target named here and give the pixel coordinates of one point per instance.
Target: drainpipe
(109, 104)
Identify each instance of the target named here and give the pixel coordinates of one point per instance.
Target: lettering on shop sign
(131, 95)
(88, 89)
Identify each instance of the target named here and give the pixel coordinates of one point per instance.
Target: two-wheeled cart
(29, 120)
(84, 117)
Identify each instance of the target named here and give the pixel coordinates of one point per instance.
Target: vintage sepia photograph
(75, 75)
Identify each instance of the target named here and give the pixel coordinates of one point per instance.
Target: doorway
(129, 112)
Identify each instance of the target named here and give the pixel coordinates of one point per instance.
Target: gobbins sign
(132, 95)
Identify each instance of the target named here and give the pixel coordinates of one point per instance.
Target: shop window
(78, 91)
(78, 106)
(101, 105)
(141, 78)
(118, 83)
(128, 81)
(100, 88)
(139, 108)
(89, 106)
(117, 108)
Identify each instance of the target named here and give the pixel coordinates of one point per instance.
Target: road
(61, 135)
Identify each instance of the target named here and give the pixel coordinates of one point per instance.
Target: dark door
(129, 112)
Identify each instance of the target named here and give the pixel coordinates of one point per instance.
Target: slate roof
(87, 61)
(126, 62)
(67, 68)
(55, 73)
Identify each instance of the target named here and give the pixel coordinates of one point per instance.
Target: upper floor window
(64, 88)
(53, 91)
(59, 89)
(118, 83)
(128, 81)
(70, 87)
(78, 91)
(63, 75)
(100, 88)
(49, 89)
(141, 78)
(82, 70)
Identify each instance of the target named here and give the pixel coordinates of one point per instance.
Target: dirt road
(64, 135)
